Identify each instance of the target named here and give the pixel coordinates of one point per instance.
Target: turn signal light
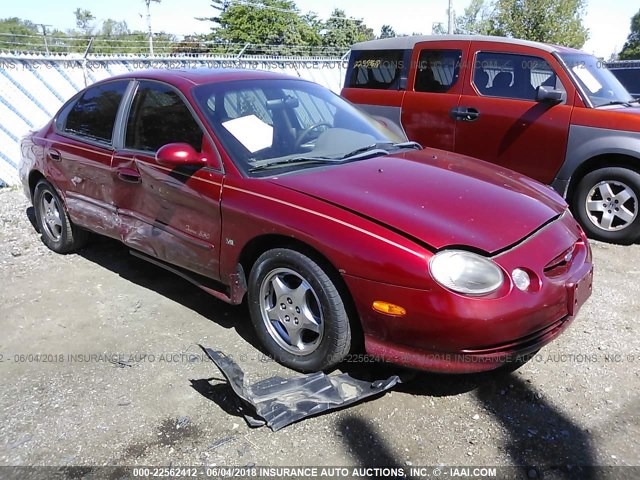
(389, 308)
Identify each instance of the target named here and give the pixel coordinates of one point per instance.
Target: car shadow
(541, 441)
(361, 438)
(540, 436)
(114, 256)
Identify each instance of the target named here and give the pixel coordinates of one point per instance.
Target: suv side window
(377, 69)
(437, 70)
(158, 116)
(94, 114)
(513, 76)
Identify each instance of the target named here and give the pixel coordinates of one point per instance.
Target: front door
(508, 126)
(172, 214)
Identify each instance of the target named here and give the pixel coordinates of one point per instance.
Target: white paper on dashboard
(251, 132)
(587, 78)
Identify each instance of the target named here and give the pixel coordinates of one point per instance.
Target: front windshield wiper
(363, 152)
(414, 145)
(616, 102)
(289, 161)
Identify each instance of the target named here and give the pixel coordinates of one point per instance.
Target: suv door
(172, 214)
(433, 94)
(80, 151)
(510, 127)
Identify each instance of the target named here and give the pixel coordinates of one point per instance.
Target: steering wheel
(307, 132)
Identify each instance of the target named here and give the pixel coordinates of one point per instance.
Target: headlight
(465, 272)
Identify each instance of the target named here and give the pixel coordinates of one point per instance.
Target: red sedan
(339, 234)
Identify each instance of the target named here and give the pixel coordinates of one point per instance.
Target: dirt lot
(576, 403)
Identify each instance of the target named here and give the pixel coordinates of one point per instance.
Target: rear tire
(606, 205)
(297, 311)
(57, 231)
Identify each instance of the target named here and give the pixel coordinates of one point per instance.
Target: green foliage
(263, 22)
(476, 19)
(84, 20)
(14, 33)
(631, 49)
(343, 32)
(387, 31)
(557, 22)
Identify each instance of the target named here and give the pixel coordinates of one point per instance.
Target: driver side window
(158, 116)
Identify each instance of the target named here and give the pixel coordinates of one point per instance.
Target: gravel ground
(574, 404)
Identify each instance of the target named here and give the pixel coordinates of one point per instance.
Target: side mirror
(549, 95)
(178, 154)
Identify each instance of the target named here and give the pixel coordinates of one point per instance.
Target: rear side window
(158, 117)
(513, 76)
(438, 70)
(377, 69)
(94, 114)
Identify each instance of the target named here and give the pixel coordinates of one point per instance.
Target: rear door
(435, 86)
(80, 150)
(172, 214)
(508, 127)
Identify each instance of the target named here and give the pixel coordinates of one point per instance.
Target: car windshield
(276, 125)
(596, 81)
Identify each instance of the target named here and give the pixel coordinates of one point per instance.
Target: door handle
(54, 155)
(465, 114)
(129, 175)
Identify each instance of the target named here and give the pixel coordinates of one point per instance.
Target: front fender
(354, 245)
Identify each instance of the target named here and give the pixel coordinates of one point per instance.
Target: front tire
(58, 233)
(606, 205)
(297, 311)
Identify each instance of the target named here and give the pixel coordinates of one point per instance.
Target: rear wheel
(606, 204)
(58, 233)
(297, 311)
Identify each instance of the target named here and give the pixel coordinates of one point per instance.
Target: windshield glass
(267, 126)
(597, 82)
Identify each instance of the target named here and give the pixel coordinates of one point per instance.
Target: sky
(607, 20)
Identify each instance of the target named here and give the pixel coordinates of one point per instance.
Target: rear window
(94, 114)
(377, 69)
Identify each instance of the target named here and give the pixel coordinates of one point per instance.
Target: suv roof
(405, 43)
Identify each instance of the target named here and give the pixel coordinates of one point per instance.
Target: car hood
(435, 197)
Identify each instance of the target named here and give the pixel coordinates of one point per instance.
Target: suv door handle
(465, 114)
(129, 175)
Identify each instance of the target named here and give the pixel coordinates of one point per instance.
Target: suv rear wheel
(606, 204)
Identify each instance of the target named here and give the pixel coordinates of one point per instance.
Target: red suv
(553, 113)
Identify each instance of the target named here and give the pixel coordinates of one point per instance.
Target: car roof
(200, 76)
(405, 43)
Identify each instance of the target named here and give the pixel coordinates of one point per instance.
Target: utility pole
(44, 36)
(451, 15)
(148, 3)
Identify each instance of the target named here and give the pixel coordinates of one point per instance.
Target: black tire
(302, 297)
(57, 231)
(621, 182)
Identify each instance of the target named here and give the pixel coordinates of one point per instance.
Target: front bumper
(451, 333)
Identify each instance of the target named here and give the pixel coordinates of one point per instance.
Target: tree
(18, 34)
(550, 21)
(84, 20)
(476, 19)
(631, 49)
(342, 32)
(263, 22)
(387, 31)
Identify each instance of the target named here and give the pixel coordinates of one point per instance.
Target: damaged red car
(339, 235)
